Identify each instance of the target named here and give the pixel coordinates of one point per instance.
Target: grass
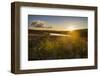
(47, 47)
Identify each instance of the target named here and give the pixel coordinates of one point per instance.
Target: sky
(43, 22)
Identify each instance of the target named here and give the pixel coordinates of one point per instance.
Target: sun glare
(71, 28)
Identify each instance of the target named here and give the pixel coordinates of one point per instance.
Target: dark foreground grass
(47, 47)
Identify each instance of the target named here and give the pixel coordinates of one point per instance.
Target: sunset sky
(57, 22)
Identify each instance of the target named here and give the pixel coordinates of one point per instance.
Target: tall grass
(47, 47)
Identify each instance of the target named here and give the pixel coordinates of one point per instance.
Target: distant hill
(82, 32)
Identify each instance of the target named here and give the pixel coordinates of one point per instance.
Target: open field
(47, 44)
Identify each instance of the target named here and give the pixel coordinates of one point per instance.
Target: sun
(71, 28)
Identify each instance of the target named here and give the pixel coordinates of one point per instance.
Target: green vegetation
(48, 47)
